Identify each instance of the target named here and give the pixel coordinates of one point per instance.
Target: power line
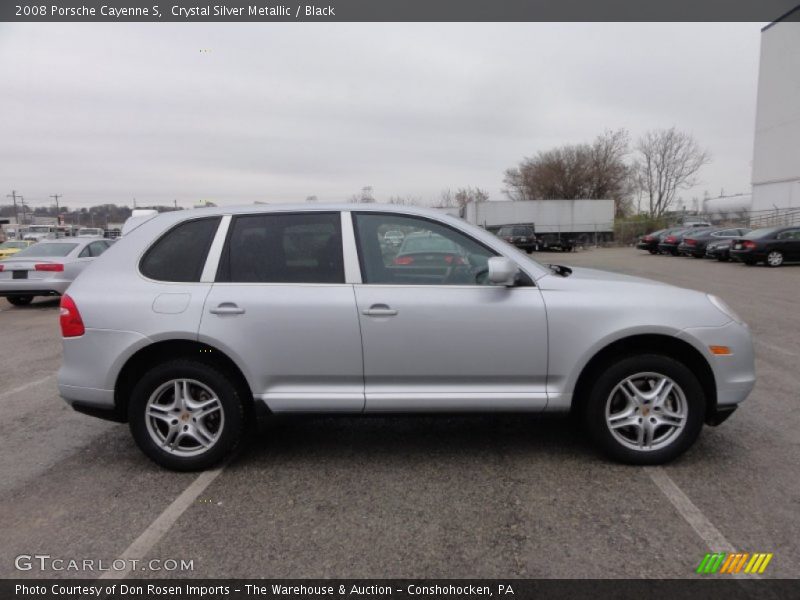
(13, 195)
(56, 196)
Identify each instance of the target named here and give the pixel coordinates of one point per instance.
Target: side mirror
(502, 271)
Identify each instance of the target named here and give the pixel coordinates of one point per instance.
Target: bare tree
(461, 197)
(364, 197)
(592, 171)
(668, 160)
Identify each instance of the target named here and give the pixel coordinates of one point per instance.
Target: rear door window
(180, 254)
(284, 248)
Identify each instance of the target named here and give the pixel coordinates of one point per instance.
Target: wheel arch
(667, 345)
(165, 350)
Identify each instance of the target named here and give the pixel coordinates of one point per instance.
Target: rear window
(428, 243)
(284, 248)
(762, 233)
(46, 250)
(180, 254)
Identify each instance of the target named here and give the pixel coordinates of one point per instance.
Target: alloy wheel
(646, 411)
(184, 417)
(775, 259)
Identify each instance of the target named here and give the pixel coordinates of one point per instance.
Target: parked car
(36, 233)
(394, 238)
(91, 232)
(200, 321)
(772, 245)
(46, 268)
(520, 236)
(694, 242)
(719, 250)
(10, 248)
(670, 240)
(650, 241)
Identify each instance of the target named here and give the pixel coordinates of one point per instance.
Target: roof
(784, 17)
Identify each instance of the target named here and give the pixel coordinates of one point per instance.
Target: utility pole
(13, 196)
(57, 196)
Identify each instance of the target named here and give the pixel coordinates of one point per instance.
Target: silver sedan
(47, 268)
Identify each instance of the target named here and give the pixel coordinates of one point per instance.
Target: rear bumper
(33, 287)
(747, 255)
(90, 367)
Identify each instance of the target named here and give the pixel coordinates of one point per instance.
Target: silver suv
(197, 323)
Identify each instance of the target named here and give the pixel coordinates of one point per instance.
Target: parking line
(712, 537)
(693, 515)
(775, 348)
(24, 387)
(156, 530)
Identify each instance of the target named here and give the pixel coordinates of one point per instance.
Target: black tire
(231, 408)
(20, 300)
(653, 251)
(594, 410)
(749, 263)
(723, 259)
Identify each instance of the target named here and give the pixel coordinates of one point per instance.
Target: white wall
(776, 156)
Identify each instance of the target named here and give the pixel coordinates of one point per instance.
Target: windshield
(37, 229)
(6, 245)
(45, 250)
(761, 233)
(432, 243)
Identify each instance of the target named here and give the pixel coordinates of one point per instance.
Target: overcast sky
(277, 112)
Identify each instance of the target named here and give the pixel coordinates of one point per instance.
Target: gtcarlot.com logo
(734, 562)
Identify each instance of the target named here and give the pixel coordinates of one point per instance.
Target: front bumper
(734, 374)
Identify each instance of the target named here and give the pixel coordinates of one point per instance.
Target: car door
(790, 242)
(437, 336)
(280, 306)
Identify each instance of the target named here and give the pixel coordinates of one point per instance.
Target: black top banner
(398, 10)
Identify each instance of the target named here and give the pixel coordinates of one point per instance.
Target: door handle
(227, 308)
(379, 310)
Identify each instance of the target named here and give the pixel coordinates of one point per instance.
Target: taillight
(453, 260)
(404, 260)
(670, 239)
(690, 242)
(2, 267)
(71, 322)
(53, 267)
(647, 238)
(749, 244)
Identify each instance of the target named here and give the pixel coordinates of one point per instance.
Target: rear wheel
(186, 415)
(653, 251)
(645, 409)
(20, 300)
(775, 259)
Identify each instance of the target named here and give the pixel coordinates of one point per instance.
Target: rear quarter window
(180, 254)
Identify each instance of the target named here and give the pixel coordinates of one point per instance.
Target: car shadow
(43, 303)
(388, 438)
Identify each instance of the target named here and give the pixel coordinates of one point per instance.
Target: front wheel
(20, 300)
(186, 415)
(645, 410)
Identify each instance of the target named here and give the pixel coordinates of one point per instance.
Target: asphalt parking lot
(482, 496)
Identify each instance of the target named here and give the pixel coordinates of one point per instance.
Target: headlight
(724, 308)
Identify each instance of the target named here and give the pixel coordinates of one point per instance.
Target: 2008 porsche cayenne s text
(196, 324)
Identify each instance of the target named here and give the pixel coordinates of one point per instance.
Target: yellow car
(10, 248)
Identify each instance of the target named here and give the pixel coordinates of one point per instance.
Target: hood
(583, 273)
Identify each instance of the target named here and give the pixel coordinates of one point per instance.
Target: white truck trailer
(560, 224)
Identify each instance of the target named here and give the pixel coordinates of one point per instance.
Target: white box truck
(559, 224)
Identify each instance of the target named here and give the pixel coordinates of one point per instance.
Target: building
(776, 154)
